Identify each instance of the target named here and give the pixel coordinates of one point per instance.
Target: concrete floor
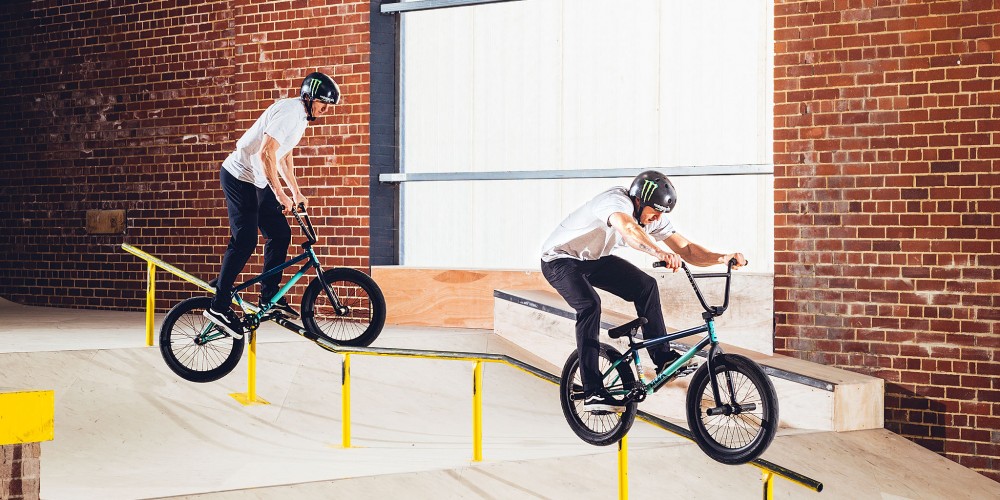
(127, 427)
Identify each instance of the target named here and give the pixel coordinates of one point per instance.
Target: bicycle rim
(738, 437)
(598, 428)
(366, 308)
(186, 355)
(733, 431)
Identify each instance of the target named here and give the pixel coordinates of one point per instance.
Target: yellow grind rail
(770, 470)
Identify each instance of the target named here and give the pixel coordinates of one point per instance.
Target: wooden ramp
(810, 395)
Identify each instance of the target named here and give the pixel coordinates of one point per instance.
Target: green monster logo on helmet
(314, 86)
(647, 189)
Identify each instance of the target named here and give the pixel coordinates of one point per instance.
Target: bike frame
(711, 312)
(312, 262)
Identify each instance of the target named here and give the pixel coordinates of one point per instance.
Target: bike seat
(626, 329)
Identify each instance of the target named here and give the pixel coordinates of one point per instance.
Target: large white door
(582, 84)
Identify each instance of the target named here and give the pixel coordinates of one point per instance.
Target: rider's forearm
(270, 164)
(638, 239)
(287, 172)
(700, 256)
(633, 235)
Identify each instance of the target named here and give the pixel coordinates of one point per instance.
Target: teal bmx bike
(340, 307)
(731, 405)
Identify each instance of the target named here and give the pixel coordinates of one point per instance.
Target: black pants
(575, 280)
(249, 208)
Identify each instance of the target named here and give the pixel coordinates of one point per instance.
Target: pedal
(687, 369)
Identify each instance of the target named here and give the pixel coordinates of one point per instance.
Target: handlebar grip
(664, 264)
(733, 262)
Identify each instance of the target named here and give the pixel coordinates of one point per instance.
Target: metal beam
(417, 5)
(508, 175)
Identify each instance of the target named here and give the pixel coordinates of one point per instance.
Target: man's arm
(269, 160)
(636, 238)
(287, 171)
(700, 256)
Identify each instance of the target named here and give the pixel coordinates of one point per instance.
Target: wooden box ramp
(463, 298)
(810, 395)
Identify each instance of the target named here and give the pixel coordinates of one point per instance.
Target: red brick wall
(134, 105)
(887, 180)
(20, 470)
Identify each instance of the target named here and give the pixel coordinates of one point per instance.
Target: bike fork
(730, 407)
(338, 306)
(714, 351)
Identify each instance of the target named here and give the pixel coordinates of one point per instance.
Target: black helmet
(653, 189)
(319, 87)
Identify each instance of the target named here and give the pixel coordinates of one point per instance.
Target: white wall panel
(582, 84)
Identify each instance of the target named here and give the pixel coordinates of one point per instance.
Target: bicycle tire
(597, 429)
(196, 363)
(733, 439)
(354, 289)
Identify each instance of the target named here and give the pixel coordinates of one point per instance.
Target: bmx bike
(341, 306)
(731, 405)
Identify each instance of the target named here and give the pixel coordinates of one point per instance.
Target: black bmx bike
(340, 307)
(731, 405)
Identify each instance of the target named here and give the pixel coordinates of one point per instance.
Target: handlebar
(303, 219)
(710, 311)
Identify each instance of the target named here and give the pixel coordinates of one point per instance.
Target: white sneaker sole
(603, 408)
(218, 323)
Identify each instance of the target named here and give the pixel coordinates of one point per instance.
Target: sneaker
(682, 371)
(603, 401)
(226, 320)
(651, 372)
(280, 308)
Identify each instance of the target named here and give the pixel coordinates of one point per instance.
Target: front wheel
(363, 316)
(741, 428)
(193, 347)
(598, 429)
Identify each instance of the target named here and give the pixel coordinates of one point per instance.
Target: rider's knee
(282, 236)
(589, 307)
(245, 241)
(647, 284)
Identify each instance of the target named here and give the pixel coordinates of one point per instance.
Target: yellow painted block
(27, 416)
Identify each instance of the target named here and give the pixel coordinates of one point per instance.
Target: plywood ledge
(449, 298)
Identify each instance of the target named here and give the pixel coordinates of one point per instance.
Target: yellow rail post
(150, 301)
(252, 369)
(768, 485)
(623, 468)
(477, 412)
(250, 397)
(345, 402)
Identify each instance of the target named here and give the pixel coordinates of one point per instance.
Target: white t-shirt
(285, 121)
(587, 234)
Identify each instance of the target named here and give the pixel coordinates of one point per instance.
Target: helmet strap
(637, 212)
(309, 109)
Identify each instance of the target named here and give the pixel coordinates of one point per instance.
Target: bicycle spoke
(350, 326)
(203, 357)
(738, 430)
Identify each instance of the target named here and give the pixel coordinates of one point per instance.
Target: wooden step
(810, 395)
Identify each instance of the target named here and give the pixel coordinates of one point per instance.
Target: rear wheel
(741, 428)
(193, 347)
(360, 323)
(599, 429)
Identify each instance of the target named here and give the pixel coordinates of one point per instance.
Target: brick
(930, 219)
(201, 55)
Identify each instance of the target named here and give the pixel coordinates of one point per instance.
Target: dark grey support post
(384, 153)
